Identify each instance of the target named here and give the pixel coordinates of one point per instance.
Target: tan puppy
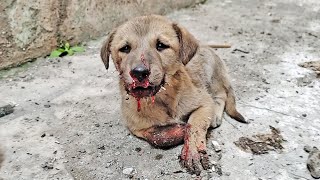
(172, 88)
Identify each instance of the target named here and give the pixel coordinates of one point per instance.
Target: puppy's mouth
(143, 89)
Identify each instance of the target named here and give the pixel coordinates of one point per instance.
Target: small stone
(117, 153)
(213, 169)
(138, 149)
(275, 20)
(47, 166)
(216, 146)
(304, 115)
(128, 171)
(227, 173)
(307, 148)
(97, 125)
(159, 156)
(108, 164)
(6, 110)
(47, 105)
(102, 147)
(43, 135)
(313, 163)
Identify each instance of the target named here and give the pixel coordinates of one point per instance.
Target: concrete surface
(67, 125)
(33, 28)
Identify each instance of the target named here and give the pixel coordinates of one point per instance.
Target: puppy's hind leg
(218, 107)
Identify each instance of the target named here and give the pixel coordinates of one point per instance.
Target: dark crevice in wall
(62, 15)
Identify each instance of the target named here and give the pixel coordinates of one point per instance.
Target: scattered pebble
(213, 169)
(6, 110)
(117, 153)
(47, 166)
(304, 115)
(159, 156)
(307, 148)
(313, 163)
(102, 147)
(43, 135)
(128, 171)
(47, 105)
(216, 146)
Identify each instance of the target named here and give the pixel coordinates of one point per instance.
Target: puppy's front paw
(194, 160)
(194, 156)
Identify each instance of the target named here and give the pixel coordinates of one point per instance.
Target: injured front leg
(194, 155)
(163, 136)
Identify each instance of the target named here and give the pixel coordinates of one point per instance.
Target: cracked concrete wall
(33, 28)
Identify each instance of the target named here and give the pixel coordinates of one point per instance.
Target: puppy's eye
(161, 46)
(125, 49)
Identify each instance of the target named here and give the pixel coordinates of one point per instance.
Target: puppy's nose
(141, 72)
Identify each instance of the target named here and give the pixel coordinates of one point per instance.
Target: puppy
(172, 88)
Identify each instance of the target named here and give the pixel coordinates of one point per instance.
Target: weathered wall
(32, 28)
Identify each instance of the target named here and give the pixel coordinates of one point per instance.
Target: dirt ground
(66, 122)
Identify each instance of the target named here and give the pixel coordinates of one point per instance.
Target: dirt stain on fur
(262, 143)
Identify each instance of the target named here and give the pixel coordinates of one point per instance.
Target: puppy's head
(146, 49)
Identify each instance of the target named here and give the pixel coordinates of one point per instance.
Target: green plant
(65, 50)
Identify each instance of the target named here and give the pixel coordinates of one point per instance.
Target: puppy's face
(145, 50)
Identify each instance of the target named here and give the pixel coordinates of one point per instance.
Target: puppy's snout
(141, 72)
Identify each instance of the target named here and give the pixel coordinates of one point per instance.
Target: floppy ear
(105, 50)
(188, 44)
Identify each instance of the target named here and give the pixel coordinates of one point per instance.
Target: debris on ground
(48, 165)
(6, 110)
(158, 156)
(313, 162)
(313, 65)
(216, 146)
(217, 169)
(262, 143)
(128, 172)
(307, 148)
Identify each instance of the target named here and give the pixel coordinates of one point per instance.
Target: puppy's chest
(173, 105)
(162, 107)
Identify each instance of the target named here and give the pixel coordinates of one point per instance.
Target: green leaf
(77, 49)
(61, 50)
(70, 52)
(67, 46)
(55, 53)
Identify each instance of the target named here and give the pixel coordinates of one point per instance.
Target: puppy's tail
(231, 107)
